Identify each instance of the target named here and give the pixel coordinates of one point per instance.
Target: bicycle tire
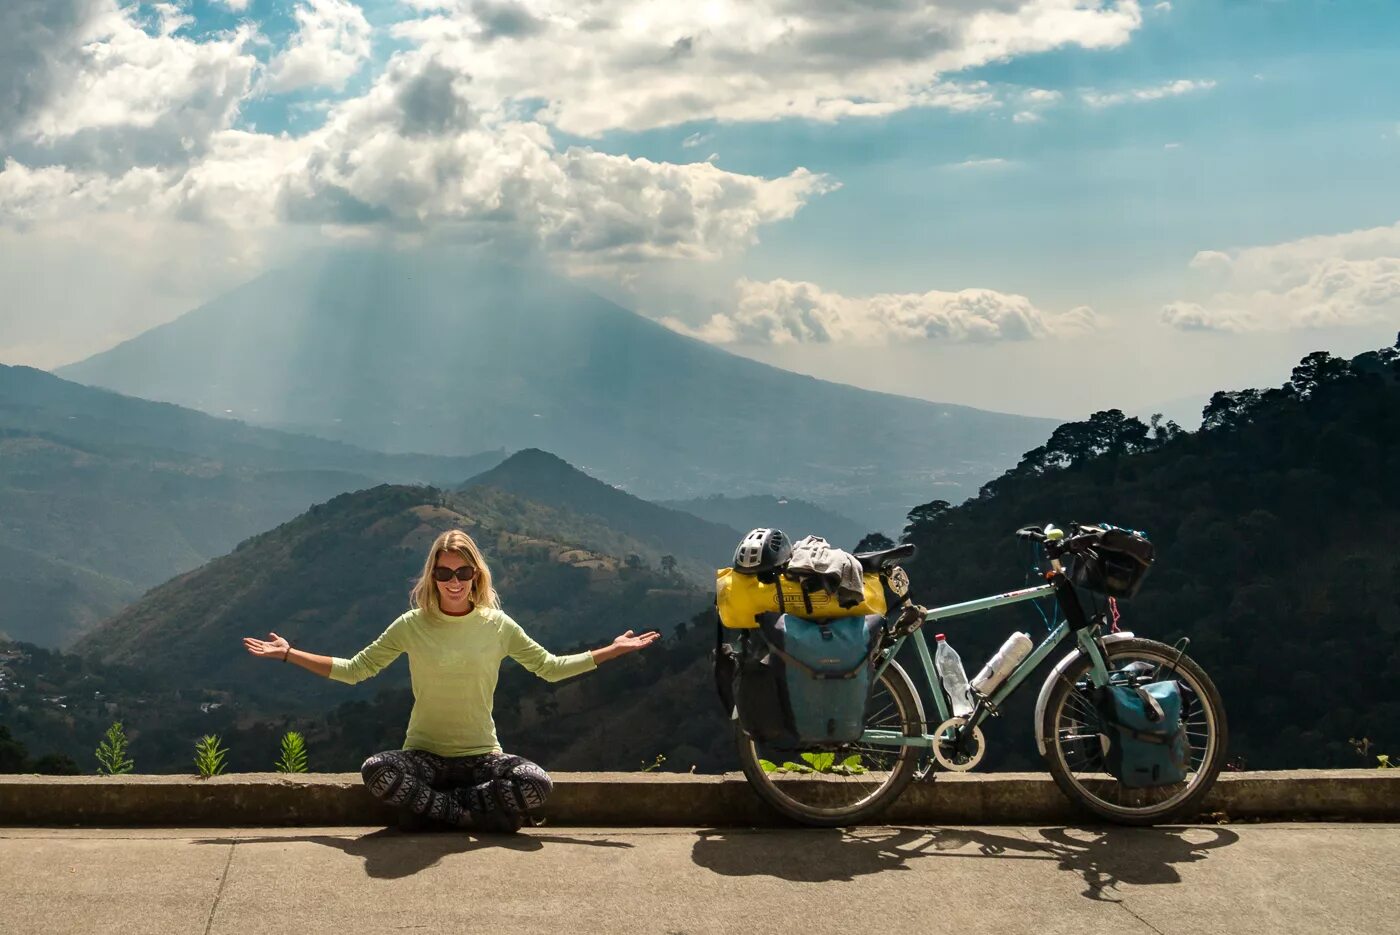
(1079, 785)
(911, 722)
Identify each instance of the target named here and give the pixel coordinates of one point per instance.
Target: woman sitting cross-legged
(451, 768)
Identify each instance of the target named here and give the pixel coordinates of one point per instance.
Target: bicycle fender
(1044, 698)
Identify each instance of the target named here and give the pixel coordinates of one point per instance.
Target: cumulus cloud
(128, 96)
(1315, 282)
(40, 44)
(332, 41)
(633, 65)
(1155, 93)
(783, 312)
(106, 110)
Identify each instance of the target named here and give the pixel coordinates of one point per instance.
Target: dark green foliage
(56, 764)
(13, 754)
(873, 542)
(1275, 535)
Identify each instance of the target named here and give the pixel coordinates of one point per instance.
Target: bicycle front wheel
(829, 787)
(1073, 752)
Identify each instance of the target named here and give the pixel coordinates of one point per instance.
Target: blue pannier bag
(1142, 736)
(803, 683)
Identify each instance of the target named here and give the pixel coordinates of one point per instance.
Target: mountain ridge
(425, 352)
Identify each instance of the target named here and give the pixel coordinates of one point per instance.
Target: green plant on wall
(655, 764)
(209, 756)
(818, 763)
(111, 752)
(293, 753)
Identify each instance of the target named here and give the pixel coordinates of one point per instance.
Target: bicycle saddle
(875, 561)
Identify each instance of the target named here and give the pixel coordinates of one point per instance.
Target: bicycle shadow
(389, 854)
(1101, 857)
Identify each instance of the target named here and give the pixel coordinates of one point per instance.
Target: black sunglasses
(443, 573)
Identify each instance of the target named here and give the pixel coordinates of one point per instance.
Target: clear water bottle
(953, 676)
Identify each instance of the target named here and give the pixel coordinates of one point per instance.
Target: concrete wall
(658, 799)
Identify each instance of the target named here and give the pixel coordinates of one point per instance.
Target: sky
(1038, 206)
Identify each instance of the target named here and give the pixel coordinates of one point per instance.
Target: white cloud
(1027, 116)
(1042, 96)
(783, 312)
(127, 96)
(332, 41)
(236, 6)
(989, 163)
(1335, 280)
(695, 139)
(1156, 93)
(634, 65)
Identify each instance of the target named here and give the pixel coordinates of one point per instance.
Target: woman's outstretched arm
(279, 648)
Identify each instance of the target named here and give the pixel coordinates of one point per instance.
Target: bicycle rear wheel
(828, 787)
(1072, 749)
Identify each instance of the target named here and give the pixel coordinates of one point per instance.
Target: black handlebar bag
(802, 684)
(1114, 562)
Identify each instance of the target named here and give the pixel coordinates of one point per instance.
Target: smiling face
(454, 595)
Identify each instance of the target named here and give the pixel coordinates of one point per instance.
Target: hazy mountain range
(103, 496)
(430, 352)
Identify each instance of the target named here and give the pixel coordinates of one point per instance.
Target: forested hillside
(1275, 527)
(1276, 557)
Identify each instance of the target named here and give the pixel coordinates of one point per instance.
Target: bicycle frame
(985, 706)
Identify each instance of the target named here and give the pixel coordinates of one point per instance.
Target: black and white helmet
(762, 550)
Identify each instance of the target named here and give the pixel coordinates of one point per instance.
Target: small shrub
(293, 753)
(111, 752)
(655, 764)
(209, 756)
(818, 763)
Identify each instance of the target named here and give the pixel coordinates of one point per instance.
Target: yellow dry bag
(741, 598)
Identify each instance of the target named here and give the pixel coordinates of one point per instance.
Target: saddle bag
(1142, 736)
(797, 683)
(741, 599)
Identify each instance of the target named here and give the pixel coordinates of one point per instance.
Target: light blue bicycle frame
(984, 706)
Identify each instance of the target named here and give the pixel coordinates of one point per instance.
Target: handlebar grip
(1030, 532)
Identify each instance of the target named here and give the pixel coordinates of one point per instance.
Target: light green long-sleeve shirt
(454, 663)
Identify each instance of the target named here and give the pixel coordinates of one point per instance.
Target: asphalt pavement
(1229, 879)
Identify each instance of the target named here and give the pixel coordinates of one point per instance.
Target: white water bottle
(953, 676)
(1012, 652)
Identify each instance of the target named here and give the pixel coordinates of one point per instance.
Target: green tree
(57, 764)
(14, 756)
(874, 542)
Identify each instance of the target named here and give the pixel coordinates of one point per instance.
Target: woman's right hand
(275, 647)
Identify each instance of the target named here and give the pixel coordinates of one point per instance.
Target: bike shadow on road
(391, 854)
(1101, 857)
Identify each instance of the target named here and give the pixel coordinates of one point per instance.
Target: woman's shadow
(1101, 857)
(390, 853)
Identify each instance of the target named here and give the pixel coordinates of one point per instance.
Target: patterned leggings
(489, 792)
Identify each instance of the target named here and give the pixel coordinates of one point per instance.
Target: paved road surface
(1233, 879)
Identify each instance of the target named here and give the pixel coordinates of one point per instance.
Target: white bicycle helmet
(762, 550)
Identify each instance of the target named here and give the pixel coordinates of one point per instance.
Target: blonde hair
(424, 593)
